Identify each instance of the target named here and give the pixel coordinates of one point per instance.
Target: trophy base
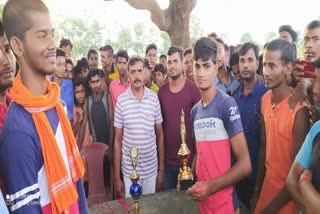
(136, 208)
(185, 184)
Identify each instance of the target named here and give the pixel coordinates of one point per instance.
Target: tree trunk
(174, 20)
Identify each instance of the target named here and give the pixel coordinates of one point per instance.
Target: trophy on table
(135, 188)
(185, 177)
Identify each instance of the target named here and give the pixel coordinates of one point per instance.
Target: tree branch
(157, 15)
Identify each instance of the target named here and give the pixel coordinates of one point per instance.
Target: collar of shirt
(218, 81)
(254, 91)
(120, 83)
(146, 92)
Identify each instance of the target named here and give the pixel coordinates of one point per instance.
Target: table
(167, 202)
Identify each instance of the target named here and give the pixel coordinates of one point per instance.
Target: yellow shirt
(115, 75)
(154, 87)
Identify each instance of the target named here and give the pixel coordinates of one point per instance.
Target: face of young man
(95, 84)
(163, 61)
(60, 67)
(68, 50)
(151, 56)
(221, 56)
(84, 73)
(68, 71)
(122, 65)
(93, 60)
(106, 59)
(188, 66)
(39, 48)
(147, 75)
(235, 71)
(311, 44)
(204, 73)
(174, 66)
(159, 78)
(274, 69)
(136, 75)
(80, 94)
(286, 36)
(248, 65)
(7, 64)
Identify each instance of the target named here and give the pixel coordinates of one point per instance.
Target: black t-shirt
(100, 120)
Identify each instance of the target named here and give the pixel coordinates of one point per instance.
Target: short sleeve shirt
(214, 126)
(138, 120)
(304, 156)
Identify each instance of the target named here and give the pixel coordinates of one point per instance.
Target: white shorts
(148, 185)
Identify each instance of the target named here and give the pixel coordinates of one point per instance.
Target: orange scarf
(61, 186)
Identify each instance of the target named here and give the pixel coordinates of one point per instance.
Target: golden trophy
(135, 188)
(185, 177)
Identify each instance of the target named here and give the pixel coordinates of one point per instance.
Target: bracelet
(304, 178)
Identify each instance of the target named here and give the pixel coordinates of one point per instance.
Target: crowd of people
(67, 126)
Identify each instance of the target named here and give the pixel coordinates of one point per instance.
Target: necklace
(204, 104)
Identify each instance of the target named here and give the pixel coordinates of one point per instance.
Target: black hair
(150, 47)
(218, 40)
(226, 47)
(232, 49)
(107, 48)
(163, 56)
(286, 48)
(1, 29)
(175, 49)
(289, 29)
(134, 59)
(79, 81)
(234, 58)
(91, 51)
(159, 67)
(187, 51)
(313, 24)
(205, 49)
(146, 64)
(60, 52)
(94, 72)
(122, 53)
(244, 48)
(260, 67)
(212, 35)
(80, 65)
(65, 42)
(16, 16)
(69, 61)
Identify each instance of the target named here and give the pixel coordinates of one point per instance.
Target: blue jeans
(170, 176)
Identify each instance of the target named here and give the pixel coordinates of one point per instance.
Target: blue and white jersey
(22, 165)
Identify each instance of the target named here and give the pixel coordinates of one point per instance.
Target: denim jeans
(170, 176)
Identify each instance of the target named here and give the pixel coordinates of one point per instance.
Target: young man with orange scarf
(39, 158)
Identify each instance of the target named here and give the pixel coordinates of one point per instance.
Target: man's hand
(199, 191)
(307, 173)
(80, 114)
(299, 94)
(119, 189)
(159, 182)
(298, 72)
